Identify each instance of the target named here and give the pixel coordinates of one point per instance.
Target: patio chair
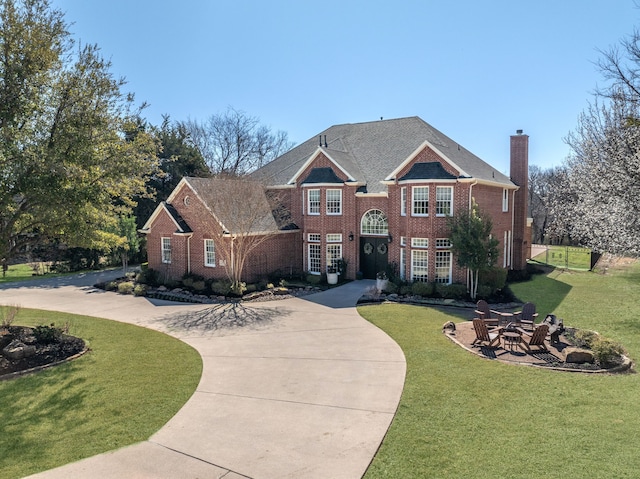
(485, 335)
(527, 316)
(535, 338)
(489, 316)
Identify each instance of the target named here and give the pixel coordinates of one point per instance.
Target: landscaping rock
(579, 355)
(16, 349)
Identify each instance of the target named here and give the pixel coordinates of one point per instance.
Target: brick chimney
(520, 176)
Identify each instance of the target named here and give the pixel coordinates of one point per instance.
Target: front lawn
(128, 386)
(464, 417)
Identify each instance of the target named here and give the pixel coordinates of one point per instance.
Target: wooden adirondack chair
(484, 335)
(536, 338)
(527, 316)
(487, 315)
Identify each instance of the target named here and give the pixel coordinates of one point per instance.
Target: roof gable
(181, 224)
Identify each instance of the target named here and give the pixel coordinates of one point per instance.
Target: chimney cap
(519, 132)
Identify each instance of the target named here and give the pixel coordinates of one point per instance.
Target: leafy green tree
(68, 168)
(472, 243)
(128, 242)
(178, 158)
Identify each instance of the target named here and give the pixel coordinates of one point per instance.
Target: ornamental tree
(472, 244)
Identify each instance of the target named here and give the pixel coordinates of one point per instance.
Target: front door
(373, 255)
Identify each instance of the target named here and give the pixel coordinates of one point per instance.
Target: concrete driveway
(298, 388)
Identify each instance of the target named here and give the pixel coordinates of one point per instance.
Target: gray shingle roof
(371, 151)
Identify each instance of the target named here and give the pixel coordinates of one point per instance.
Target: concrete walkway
(298, 388)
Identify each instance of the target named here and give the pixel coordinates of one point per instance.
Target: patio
(464, 335)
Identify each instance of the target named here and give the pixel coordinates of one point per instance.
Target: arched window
(374, 222)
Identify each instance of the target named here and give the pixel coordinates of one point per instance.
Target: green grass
(566, 257)
(128, 386)
(464, 417)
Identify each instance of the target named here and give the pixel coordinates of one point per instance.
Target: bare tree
(234, 143)
(247, 216)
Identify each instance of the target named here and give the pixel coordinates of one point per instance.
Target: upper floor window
(419, 242)
(334, 202)
(444, 201)
(420, 204)
(166, 250)
(374, 222)
(505, 200)
(313, 205)
(403, 201)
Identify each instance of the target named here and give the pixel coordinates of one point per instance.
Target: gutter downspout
(513, 219)
(475, 182)
(189, 253)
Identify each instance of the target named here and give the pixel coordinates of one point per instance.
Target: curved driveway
(298, 388)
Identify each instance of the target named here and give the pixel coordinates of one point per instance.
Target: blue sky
(477, 71)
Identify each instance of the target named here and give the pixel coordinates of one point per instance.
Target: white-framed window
(420, 201)
(314, 237)
(419, 242)
(403, 201)
(506, 255)
(443, 243)
(443, 267)
(334, 238)
(505, 200)
(315, 258)
(334, 202)
(374, 222)
(334, 254)
(313, 203)
(209, 253)
(403, 263)
(420, 266)
(444, 200)
(166, 250)
(403, 241)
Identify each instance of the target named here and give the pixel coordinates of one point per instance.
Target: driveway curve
(297, 388)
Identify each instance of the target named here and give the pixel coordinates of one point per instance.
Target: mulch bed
(45, 354)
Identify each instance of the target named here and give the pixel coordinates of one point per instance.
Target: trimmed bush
(314, 279)
(47, 334)
(452, 291)
(422, 289)
(221, 287)
(125, 287)
(391, 288)
(140, 290)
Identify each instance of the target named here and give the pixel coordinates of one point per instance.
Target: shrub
(391, 288)
(187, 283)
(422, 289)
(199, 285)
(405, 289)
(495, 278)
(125, 287)
(314, 278)
(111, 286)
(140, 290)
(148, 276)
(585, 338)
(8, 315)
(47, 334)
(221, 287)
(452, 291)
(607, 352)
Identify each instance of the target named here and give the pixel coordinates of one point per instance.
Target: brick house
(374, 194)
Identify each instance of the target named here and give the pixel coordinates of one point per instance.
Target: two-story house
(373, 194)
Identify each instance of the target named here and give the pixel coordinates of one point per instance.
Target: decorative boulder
(17, 350)
(449, 327)
(579, 355)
